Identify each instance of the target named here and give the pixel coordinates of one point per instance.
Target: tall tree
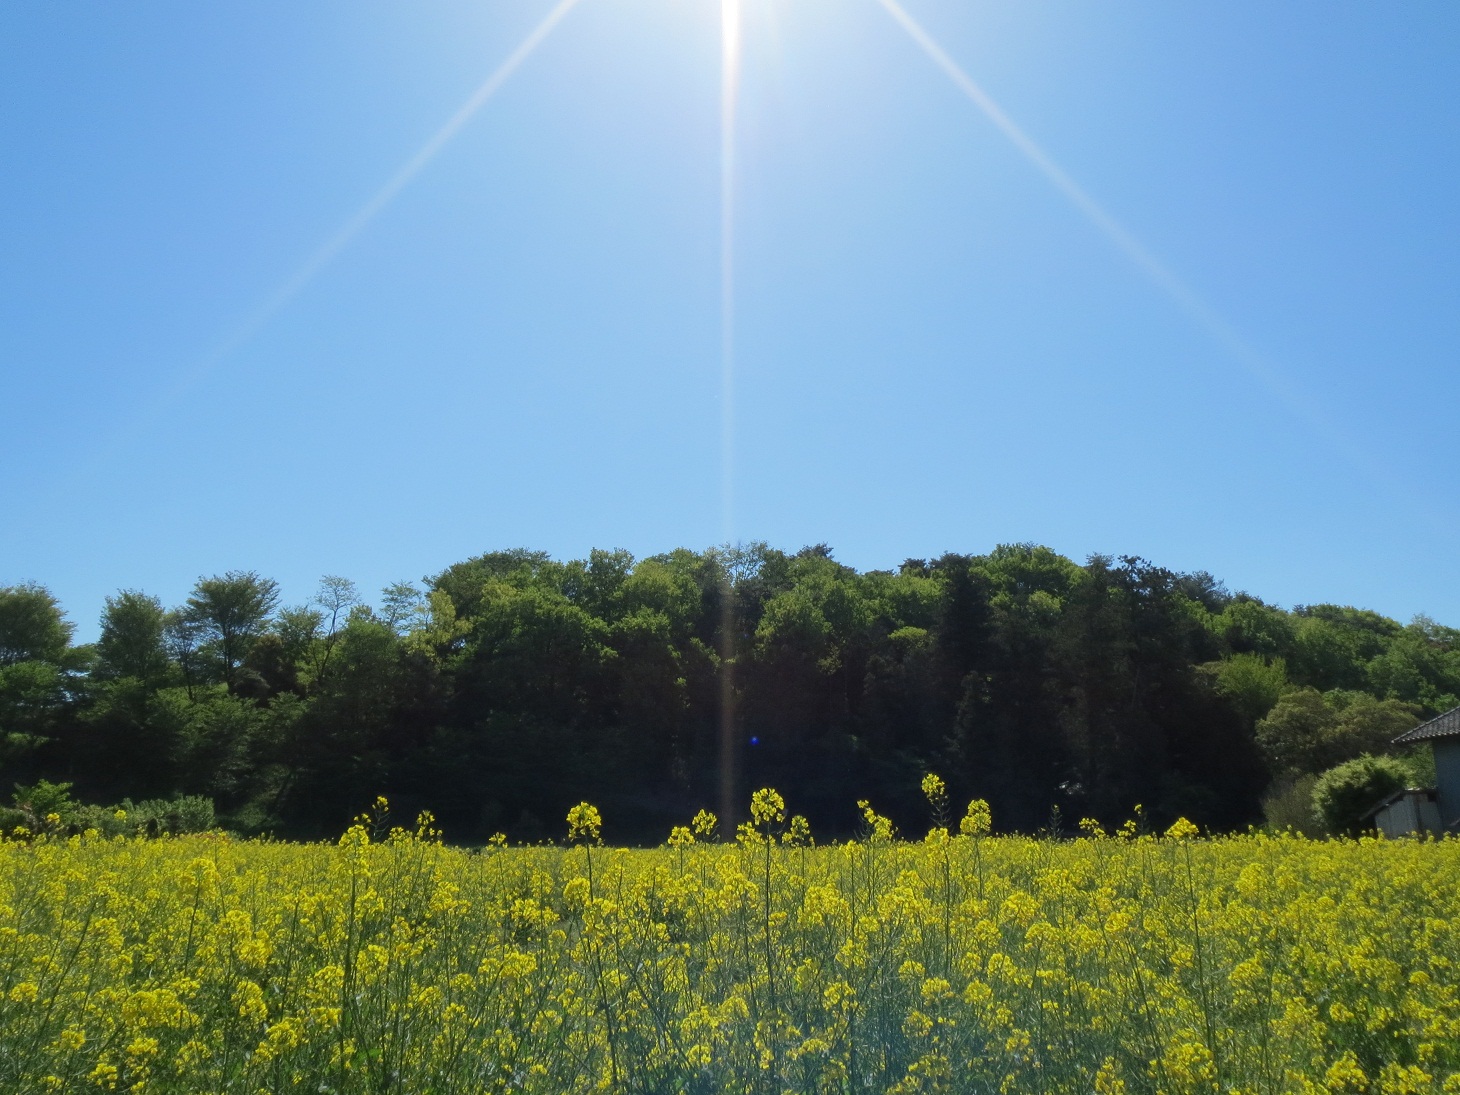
(232, 610)
(32, 625)
(335, 598)
(403, 607)
(182, 635)
(131, 643)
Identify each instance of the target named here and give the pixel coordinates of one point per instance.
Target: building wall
(1447, 778)
(1397, 819)
(1410, 814)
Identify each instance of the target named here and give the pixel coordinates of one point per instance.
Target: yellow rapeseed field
(957, 963)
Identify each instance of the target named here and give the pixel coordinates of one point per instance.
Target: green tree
(403, 607)
(1420, 665)
(32, 625)
(1367, 724)
(1252, 683)
(131, 738)
(1289, 806)
(232, 610)
(298, 631)
(598, 584)
(1333, 645)
(1308, 731)
(335, 599)
(347, 744)
(44, 800)
(182, 638)
(295, 653)
(218, 740)
(1294, 735)
(33, 696)
(1248, 626)
(131, 643)
(464, 582)
(1345, 793)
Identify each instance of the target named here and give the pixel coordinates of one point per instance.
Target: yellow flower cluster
(390, 962)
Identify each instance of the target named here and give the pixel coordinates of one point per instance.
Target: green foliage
(45, 799)
(131, 644)
(403, 607)
(1295, 735)
(183, 814)
(33, 697)
(1288, 807)
(1420, 665)
(1420, 760)
(32, 625)
(49, 808)
(511, 685)
(46, 807)
(1247, 626)
(230, 612)
(1308, 731)
(1333, 644)
(1345, 793)
(1252, 682)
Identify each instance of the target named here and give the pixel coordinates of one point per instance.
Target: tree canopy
(510, 685)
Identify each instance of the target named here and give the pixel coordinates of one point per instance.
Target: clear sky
(936, 348)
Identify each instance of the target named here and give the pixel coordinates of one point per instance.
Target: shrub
(151, 817)
(43, 806)
(183, 814)
(1289, 807)
(1345, 793)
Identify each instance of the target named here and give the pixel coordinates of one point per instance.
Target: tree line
(508, 686)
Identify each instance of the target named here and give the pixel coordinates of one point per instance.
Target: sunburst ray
(1300, 403)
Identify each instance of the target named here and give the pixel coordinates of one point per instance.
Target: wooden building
(1411, 812)
(1443, 736)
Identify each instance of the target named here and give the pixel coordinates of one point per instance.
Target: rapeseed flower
(965, 963)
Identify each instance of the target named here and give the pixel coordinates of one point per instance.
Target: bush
(1420, 760)
(1289, 807)
(183, 814)
(1344, 794)
(193, 814)
(153, 817)
(41, 807)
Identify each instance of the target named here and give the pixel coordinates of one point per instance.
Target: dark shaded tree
(231, 611)
(512, 685)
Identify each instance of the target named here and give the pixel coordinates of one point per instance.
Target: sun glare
(729, 98)
(731, 52)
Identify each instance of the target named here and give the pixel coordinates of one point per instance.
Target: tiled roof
(1444, 726)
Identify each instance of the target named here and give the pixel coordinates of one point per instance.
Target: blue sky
(935, 349)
